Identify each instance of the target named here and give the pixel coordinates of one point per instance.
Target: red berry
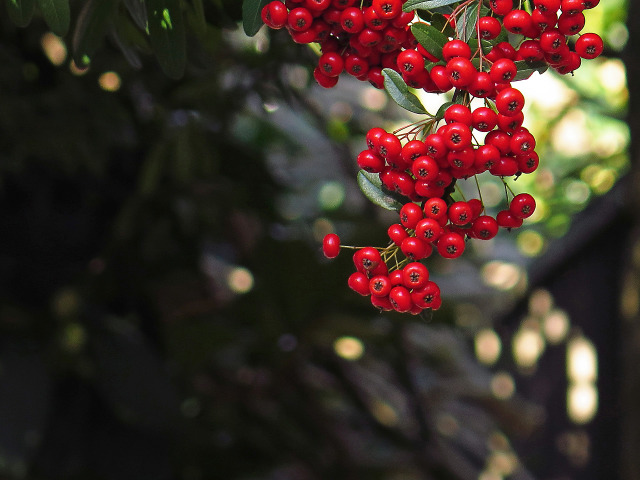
(415, 248)
(518, 22)
(359, 283)
(489, 27)
(366, 259)
(370, 161)
(455, 48)
(425, 168)
(571, 23)
(382, 303)
(410, 62)
(506, 219)
(380, 285)
(428, 296)
(482, 86)
(397, 233)
(300, 19)
(503, 70)
(484, 227)
(324, 80)
(460, 213)
(501, 7)
(387, 9)
(400, 299)
(415, 275)
(352, 20)
(522, 205)
(484, 119)
(429, 230)
(331, 245)
(458, 113)
(547, 5)
(589, 45)
(331, 64)
(451, 245)
(509, 102)
(460, 72)
(457, 136)
(275, 14)
(410, 215)
(435, 208)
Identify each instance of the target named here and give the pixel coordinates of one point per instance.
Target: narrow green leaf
(167, 34)
(426, 4)
(526, 69)
(440, 22)
(251, 20)
(430, 38)
(442, 109)
(20, 11)
(57, 15)
(93, 22)
(467, 21)
(371, 187)
(138, 11)
(395, 86)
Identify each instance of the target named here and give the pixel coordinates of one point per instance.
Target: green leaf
(526, 69)
(442, 109)
(395, 86)
(466, 22)
(371, 187)
(20, 11)
(251, 20)
(426, 4)
(93, 22)
(57, 15)
(430, 38)
(138, 11)
(167, 34)
(441, 23)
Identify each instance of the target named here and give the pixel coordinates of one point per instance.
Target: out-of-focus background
(166, 312)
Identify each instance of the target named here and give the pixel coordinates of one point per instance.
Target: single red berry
(451, 245)
(317, 5)
(501, 7)
(571, 23)
(435, 208)
(372, 20)
(359, 283)
(522, 205)
(484, 119)
(552, 40)
(400, 299)
(461, 160)
(510, 124)
(544, 20)
(387, 9)
(590, 3)
(331, 64)
(428, 296)
(380, 285)
(482, 85)
(331, 245)
(397, 233)
(455, 48)
(436, 146)
(410, 62)
(389, 148)
(300, 19)
(509, 102)
(457, 136)
(505, 167)
(458, 113)
(484, 227)
(486, 157)
(489, 27)
(460, 213)
(547, 5)
(528, 163)
(370, 161)
(366, 259)
(440, 77)
(415, 275)
(352, 20)
(425, 168)
(499, 139)
(413, 150)
(518, 22)
(571, 6)
(589, 45)
(410, 215)
(522, 142)
(503, 71)
(429, 230)
(460, 71)
(356, 66)
(415, 248)
(508, 220)
(396, 278)
(275, 14)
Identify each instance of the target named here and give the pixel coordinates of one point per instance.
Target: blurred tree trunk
(630, 295)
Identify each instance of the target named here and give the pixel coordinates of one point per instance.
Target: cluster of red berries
(363, 40)
(481, 130)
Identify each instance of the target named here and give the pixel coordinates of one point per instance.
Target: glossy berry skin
(489, 27)
(400, 298)
(457, 136)
(324, 80)
(458, 113)
(522, 205)
(484, 119)
(387, 9)
(397, 233)
(410, 62)
(359, 283)
(508, 220)
(435, 208)
(589, 45)
(455, 48)
(380, 285)
(460, 72)
(410, 215)
(415, 248)
(370, 162)
(428, 230)
(509, 102)
(451, 245)
(275, 14)
(352, 20)
(415, 275)
(425, 168)
(331, 64)
(518, 22)
(366, 259)
(300, 19)
(503, 70)
(484, 227)
(331, 245)
(500, 7)
(428, 296)
(460, 213)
